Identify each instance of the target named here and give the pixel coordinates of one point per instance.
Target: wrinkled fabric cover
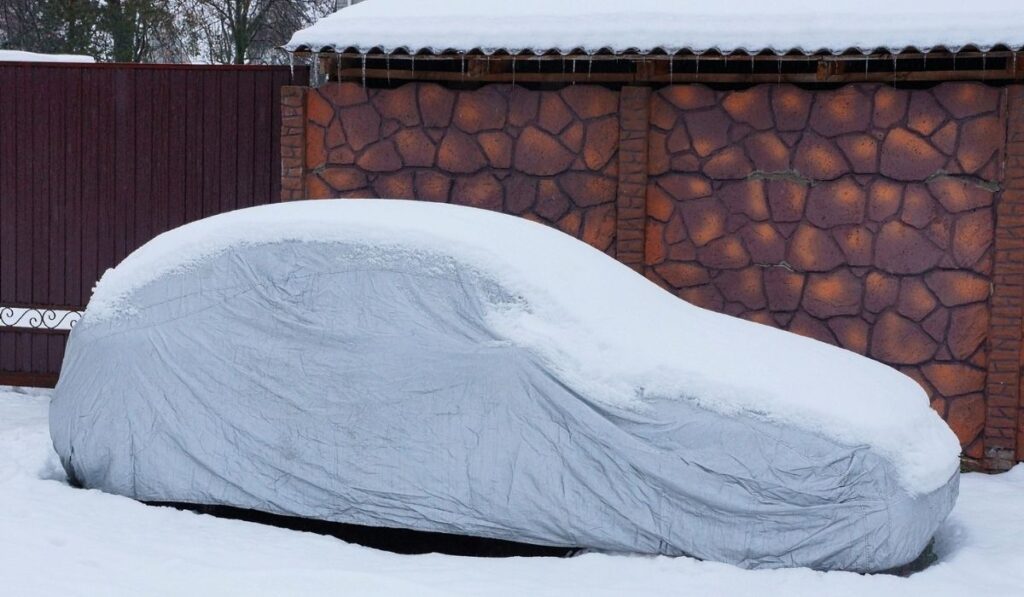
(305, 379)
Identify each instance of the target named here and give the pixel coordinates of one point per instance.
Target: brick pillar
(1004, 434)
(631, 203)
(293, 142)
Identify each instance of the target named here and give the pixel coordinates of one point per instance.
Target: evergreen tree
(140, 31)
(50, 26)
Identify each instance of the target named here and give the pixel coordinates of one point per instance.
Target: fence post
(293, 142)
(631, 200)
(1003, 427)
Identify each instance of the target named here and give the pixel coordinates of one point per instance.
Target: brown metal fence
(95, 160)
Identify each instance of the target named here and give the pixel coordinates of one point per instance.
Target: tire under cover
(296, 379)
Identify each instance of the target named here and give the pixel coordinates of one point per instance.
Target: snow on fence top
(20, 56)
(643, 26)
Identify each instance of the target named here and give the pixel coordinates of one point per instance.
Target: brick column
(293, 142)
(631, 203)
(1004, 434)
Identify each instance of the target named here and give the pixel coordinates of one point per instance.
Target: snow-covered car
(442, 368)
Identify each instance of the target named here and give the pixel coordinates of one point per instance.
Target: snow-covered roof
(644, 26)
(20, 56)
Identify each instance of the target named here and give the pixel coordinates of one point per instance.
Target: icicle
(364, 71)
(387, 66)
(291, 63)
(984, 58)
(315, 74)
(462, 65)
(696, 69)
(590, 65)
(513, 70)
(671, 60)
(573, 71)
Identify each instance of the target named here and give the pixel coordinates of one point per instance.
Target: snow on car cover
(443, 368)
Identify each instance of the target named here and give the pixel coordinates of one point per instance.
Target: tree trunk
(120, 27)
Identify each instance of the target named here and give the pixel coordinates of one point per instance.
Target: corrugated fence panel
(8, 218)
(97, 159)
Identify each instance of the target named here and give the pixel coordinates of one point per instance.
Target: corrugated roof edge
(660, 50)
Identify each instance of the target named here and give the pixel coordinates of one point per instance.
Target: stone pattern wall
(550, 156)
(862, 217)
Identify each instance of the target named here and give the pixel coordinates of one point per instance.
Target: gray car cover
(304, 379)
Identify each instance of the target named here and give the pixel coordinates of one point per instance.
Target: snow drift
(442, 368)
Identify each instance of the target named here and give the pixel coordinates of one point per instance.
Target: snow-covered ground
(56, 540)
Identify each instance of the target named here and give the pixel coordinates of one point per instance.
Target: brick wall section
(293, 142)
(862, 216)
(634, 116)
(1004, 430)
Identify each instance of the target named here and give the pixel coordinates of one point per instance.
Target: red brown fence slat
(96, 159)
(8, 221)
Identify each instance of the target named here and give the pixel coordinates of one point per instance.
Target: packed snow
(606, 331)
(567, 26)
(58, 540)
(21, 56)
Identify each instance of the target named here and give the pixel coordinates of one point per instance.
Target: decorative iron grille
(38, 318)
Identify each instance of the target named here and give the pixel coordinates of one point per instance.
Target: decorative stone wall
(861, 217)
(544, 155)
